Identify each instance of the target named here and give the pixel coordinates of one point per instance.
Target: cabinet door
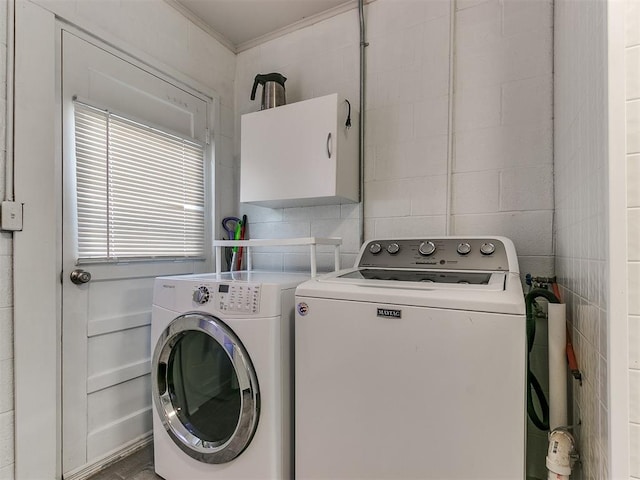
(289, 153)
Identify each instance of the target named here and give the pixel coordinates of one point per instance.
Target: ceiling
(242, 21)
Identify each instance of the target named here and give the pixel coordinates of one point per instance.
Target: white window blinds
(140, 191)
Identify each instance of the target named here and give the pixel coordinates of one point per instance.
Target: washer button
(487, 248)
(427, 248)
(393, 248)
(464, 248)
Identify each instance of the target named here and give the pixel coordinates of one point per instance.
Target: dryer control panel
(244, 298)
(230, 297)
(464, 253)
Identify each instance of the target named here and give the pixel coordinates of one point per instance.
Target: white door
(106, 386)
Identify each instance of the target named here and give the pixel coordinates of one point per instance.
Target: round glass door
(205, 388)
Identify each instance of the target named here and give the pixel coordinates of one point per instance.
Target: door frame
(37, 251)
(617, 364)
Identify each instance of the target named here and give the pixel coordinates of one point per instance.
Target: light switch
(11, 216)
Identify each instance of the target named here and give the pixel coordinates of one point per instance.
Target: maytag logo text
(389, 313)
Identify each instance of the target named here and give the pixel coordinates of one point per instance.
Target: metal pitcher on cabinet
(273, 94)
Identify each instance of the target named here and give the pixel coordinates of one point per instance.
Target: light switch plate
(11, 216)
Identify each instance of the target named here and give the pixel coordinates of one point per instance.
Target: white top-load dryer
(412, 364)
(222, 375)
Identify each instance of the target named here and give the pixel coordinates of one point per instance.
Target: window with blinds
(140, 190)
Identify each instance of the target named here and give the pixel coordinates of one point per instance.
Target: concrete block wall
(6, 278)
(317, 60)
(632, 64)
(501, 136)
(502, 156)
(503, 161)
(502, 121)
(581, 202)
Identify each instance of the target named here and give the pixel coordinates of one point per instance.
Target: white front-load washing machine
(222, 375)
(412, 364)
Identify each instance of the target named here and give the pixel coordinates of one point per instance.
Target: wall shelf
(312, 242)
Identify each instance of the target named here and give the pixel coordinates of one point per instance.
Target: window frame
(208, 187)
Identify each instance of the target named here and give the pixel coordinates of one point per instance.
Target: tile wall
(581, 202)
(632, 61)
(502, 143)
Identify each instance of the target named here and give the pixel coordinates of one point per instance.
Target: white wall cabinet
(300, 154)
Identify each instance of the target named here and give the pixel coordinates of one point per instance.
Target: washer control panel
(436, 253)
(230, 297)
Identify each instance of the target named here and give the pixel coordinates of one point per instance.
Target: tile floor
(138, 466)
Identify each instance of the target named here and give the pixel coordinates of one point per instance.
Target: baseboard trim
(127, 449)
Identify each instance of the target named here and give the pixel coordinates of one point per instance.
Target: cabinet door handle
(329, 145)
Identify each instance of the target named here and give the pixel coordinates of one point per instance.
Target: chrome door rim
(202, 450)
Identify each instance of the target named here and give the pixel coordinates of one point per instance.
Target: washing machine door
(205, 388)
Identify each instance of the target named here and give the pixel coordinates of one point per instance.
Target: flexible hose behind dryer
(533, 385)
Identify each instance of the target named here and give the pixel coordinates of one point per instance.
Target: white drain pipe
(561, 443)
(559, 454)
(557, 325)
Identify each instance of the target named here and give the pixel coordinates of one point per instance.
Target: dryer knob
(427, 248)
(393, 248)
(201, 295)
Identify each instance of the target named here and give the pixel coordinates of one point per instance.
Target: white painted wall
(316, 60)
(156, 29)
(502, 129)
(502, 157)
(502, 152)
(156, 33)
(503, 137)
(6, 287)
(632, 63)
(582, 216)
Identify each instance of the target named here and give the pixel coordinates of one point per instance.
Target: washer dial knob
(427, 248)
(375, 248)
(393, 248)
(487, 248)
(201, 295)
(464, 248)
